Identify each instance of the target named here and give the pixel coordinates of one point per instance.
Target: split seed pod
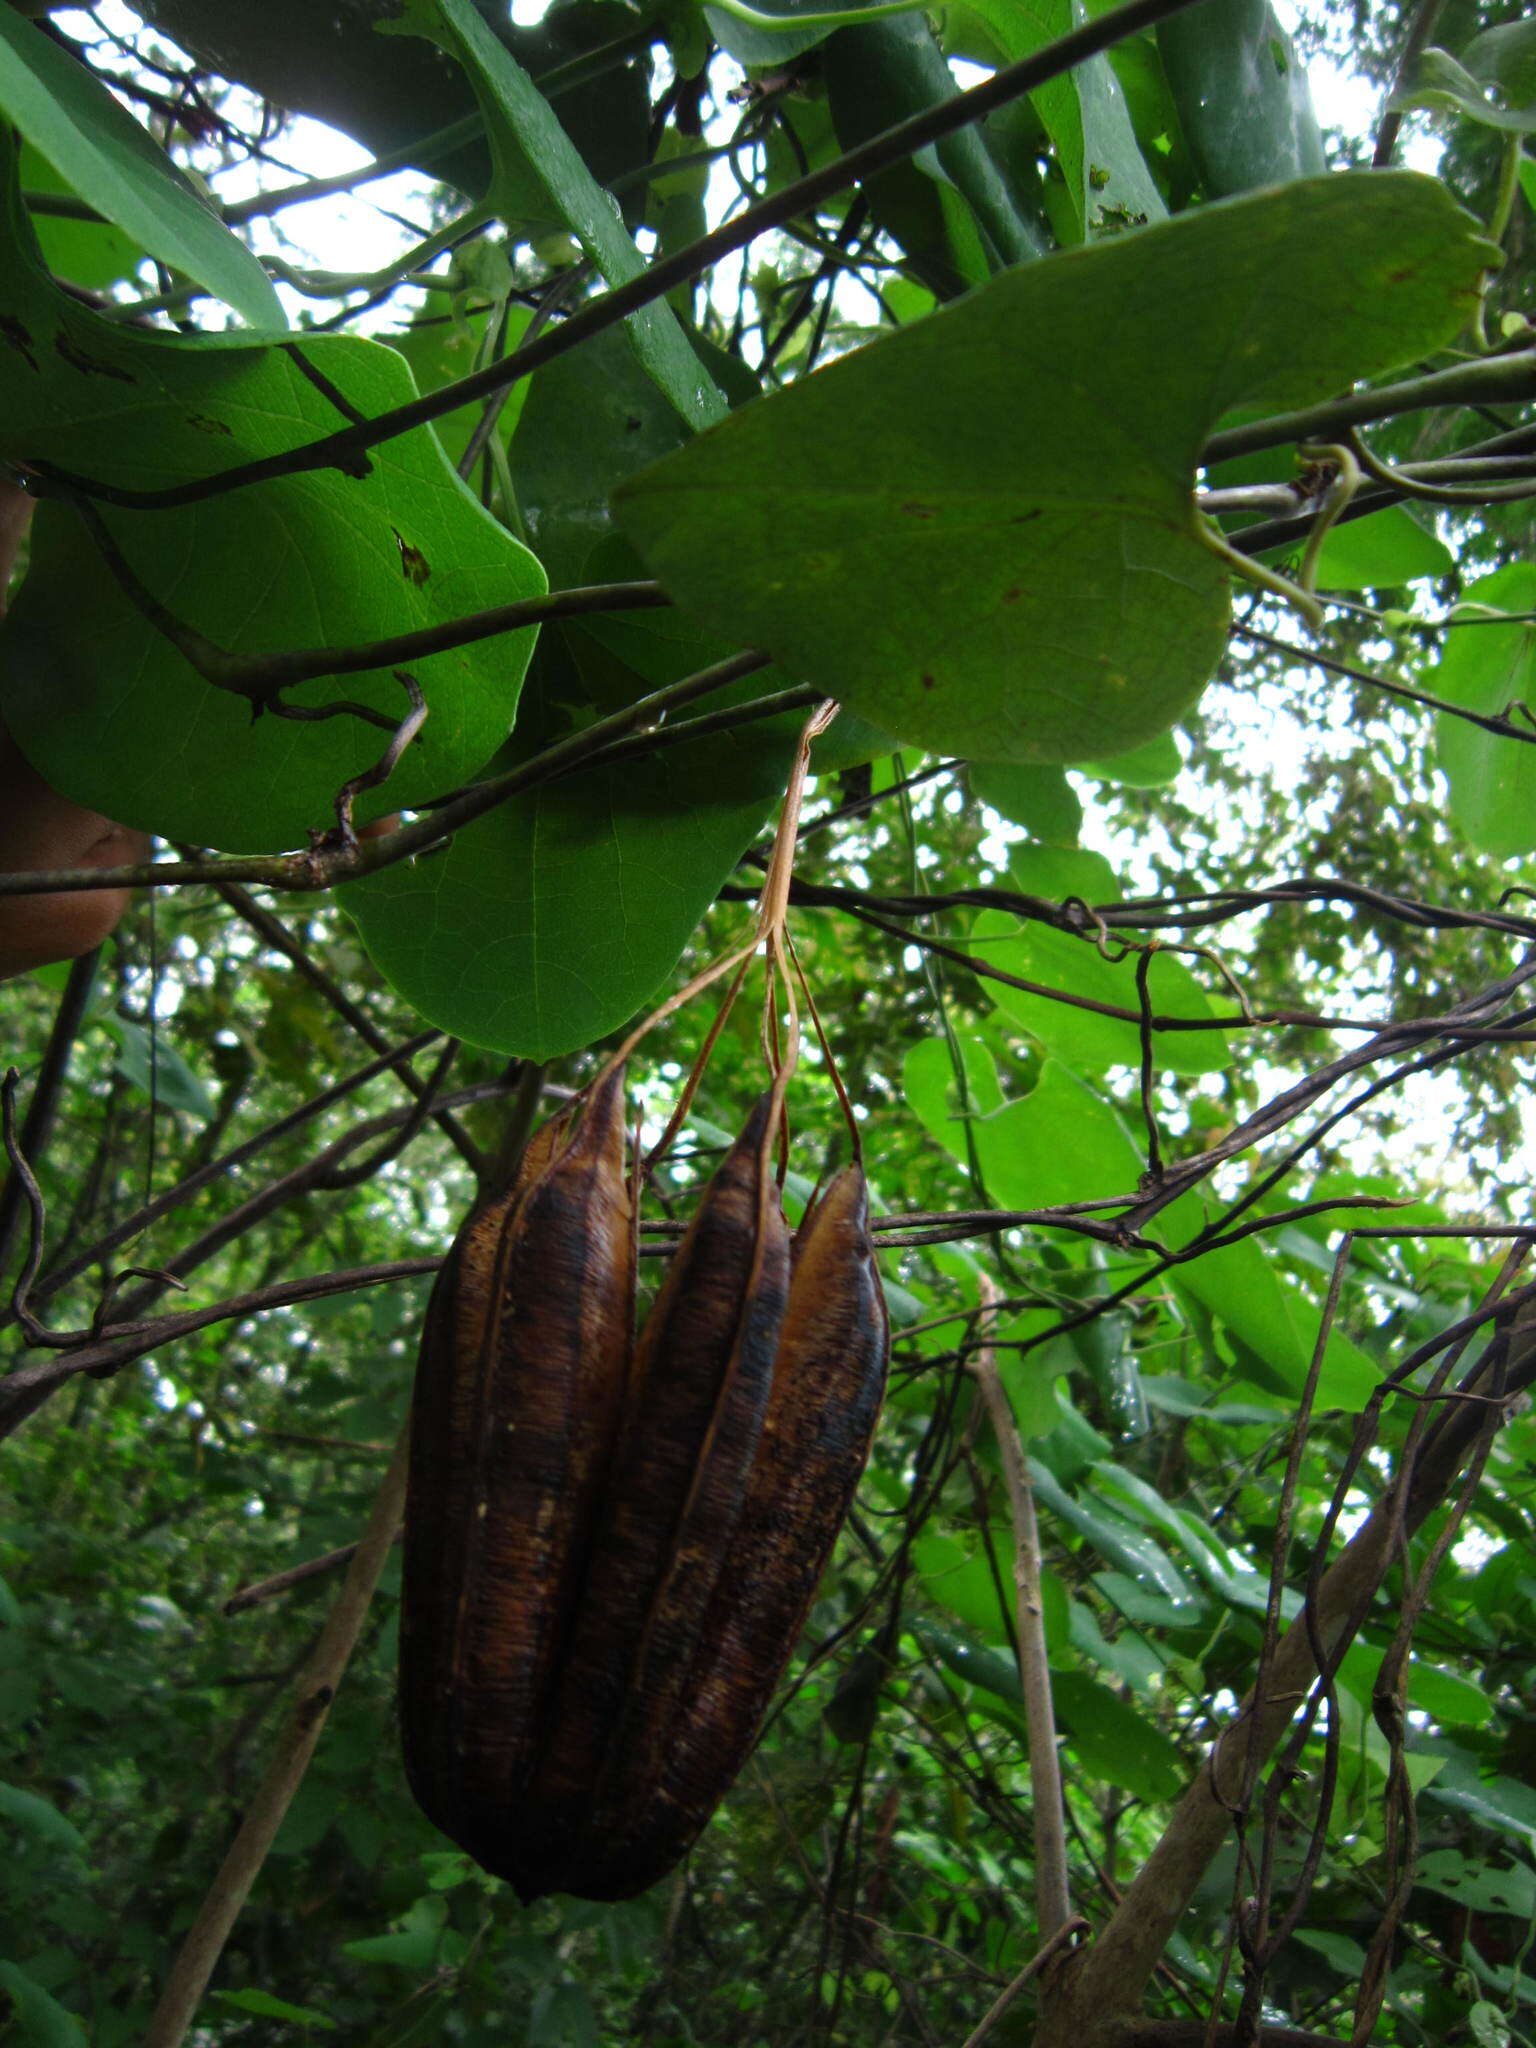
(828, 1381)
(519, 1395)
(699, 1391)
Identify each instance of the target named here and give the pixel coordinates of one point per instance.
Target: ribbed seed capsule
(699, 1390)
(828, 1380)
(519, 1394)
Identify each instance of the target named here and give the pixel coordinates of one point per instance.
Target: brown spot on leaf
(205, 423)
(414, 565)
(1012, 596)
(915, 509)
(88, 365)
(17, 336)
(1023, 518)
(927, 681)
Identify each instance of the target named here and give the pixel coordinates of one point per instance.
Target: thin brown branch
(314, 1693)
(1053, 1897)
(346, 449)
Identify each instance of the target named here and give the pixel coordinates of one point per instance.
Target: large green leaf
(553, 919)
(67, 113)
(1487, 668)
(1241, 94)
(536, 165)
(104, 705)
(980, 531)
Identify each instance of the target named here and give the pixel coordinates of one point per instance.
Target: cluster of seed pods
(612, 1540)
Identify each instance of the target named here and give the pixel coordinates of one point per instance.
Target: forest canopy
(447, 456)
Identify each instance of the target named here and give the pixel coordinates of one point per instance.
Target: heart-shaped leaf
(980, 531)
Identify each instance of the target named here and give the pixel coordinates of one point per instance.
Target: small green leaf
(266, 2007)
(156, 1068)
(65, 111)
(1147, 767)
(1107, 181)
(1487, 668)
(1445, 85)
(1382, 552)
(40, 1818)
(1113, 1742)
(1040, 799)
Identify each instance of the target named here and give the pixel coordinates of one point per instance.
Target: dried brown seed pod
(519, 1395)
(698, 1394)
(828, 1380)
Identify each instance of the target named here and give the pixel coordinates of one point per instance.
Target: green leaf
(103, 705)
(590, 418)
(899, 70)
(1085, 115)
(1241, 94)
(933, 1090)
(1271, 1316)
(1505, 57)
(772, 34)
(1113, 1742)
(1147, 767)
(1085, 1039)
(979, 532)
(1116, 1540)
(957, 1577)
(562, 2016)
(531, 151)
(1060, 1143)
(972, 1663)
(1448, 87)
(1040, 799)
(266, 2007)
(157, 1069)
(40, 1818)
(556, 917)
(1341, 1954)
(90, 253)
(1487, 668)
(1381, 552)
(43, 2021)
(65, 111)
(1042, 1148)
(1478, 1885)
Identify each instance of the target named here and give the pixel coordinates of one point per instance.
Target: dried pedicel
(519, 1396)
